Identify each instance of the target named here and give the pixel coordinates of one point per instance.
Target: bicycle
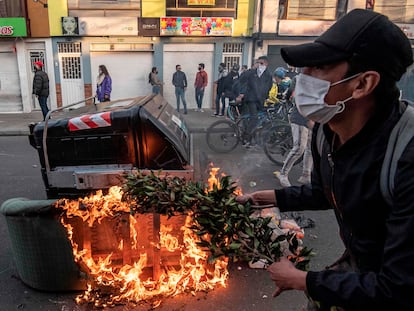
(225, 135)
(278, 141)
(233, 110)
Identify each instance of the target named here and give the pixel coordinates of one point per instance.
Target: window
(311, 10)
(91, 6)
(232, 54)
(399, 11)
(36, 56)
(69, 47)
(11, 8)
(69, 53)
(221, 8)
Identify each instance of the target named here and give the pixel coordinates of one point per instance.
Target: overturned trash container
(92, 147)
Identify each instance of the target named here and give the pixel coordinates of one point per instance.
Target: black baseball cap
(365, 34)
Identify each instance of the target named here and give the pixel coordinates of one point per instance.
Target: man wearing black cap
(348, 87)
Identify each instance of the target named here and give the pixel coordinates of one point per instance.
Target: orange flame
(214, 180)
(133, 269)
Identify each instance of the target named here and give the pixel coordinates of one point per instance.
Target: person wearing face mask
(258, 82)
(220, 96)
(200, 84)
(348, 87)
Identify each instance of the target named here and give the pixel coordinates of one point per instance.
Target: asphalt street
(247, 289)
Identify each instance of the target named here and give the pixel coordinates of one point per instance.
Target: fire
(214, 180)
(135, 258)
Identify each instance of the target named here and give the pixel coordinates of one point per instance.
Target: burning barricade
(159, 236)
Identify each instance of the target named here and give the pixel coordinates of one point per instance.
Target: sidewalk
(17, 124)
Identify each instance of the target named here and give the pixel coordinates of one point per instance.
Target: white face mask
(261, 69)
(310, 95)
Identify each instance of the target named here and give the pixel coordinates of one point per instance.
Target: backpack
(401, 135)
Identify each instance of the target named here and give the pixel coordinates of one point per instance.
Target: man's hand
(286, 276)
(264, 197)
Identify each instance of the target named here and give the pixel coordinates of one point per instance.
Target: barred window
(71, 67)
(70, 55)
(69, 47)
(232, 54)
(36, 56)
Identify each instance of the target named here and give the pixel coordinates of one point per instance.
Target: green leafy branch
(224, 226)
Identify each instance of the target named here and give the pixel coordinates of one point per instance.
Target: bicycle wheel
(232, 112)
(222, 136)
(278, 142)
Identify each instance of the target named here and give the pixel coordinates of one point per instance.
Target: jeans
(301, 136)
(180, 94)
(43, 105)
(156, 89)
(221, 99)
(199, 94)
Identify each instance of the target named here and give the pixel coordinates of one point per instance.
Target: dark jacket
(256, 88)
(41, 84)
(220, 81)
(295, 117)
(379, 237)
(228, 83)
(179, 79)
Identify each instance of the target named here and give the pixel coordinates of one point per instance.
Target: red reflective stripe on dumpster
(90, 121)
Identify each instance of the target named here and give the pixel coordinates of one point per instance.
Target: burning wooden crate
(132, 256)
(125, 238)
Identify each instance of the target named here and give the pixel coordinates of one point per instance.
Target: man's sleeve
(37, 84)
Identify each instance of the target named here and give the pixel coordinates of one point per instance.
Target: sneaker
(201, 110)
(246, 144)
(196, 109)
(304, 179)
(214, 115)
(220, 115)
(283, 179)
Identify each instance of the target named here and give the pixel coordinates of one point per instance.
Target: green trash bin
(41, 249)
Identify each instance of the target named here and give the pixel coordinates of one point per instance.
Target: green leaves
(223, 225)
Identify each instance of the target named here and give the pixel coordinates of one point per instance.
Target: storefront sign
(13, 27)
(196, 26)
(108, 26)
(149, 27)
(408, 29)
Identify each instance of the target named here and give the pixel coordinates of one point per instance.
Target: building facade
(73, 37)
